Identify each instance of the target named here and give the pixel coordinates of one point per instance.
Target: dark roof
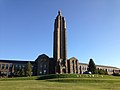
(107, 66)
(15, 61)
(83, 63)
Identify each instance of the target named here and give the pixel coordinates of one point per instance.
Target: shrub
(116, 74)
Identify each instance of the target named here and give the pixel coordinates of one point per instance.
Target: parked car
(87, 72)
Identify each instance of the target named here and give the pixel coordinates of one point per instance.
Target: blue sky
(93, 29)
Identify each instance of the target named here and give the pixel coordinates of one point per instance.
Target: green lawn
(81, 83)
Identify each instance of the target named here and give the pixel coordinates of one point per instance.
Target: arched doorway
(63, 71)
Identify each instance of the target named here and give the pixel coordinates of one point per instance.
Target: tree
(103, 72)
(97, 71)
(28, 69)
(91, 66)
(18, 72)
(22, 72)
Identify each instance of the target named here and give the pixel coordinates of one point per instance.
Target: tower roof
(60, 13)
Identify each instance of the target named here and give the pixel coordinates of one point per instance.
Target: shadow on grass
(83, 80)
(53, 76)
(77, 78)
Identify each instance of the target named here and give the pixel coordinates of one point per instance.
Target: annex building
(59, 63)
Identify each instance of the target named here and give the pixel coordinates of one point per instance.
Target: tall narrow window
(11, 65)
(73, 67)
(20, 66)
(6, 66)
(23, 66)
(16, 65)
(3, 66)
(76, 67)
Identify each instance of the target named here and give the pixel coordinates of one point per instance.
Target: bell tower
(60, 52)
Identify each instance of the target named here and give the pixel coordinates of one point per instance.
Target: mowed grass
(81, 83)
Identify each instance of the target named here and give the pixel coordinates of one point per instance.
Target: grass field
(81, 83)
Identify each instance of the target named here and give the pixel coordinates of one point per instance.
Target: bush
(116, 74)
(101, 72)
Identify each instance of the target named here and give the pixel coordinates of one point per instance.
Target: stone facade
(109, 69)
(73, 66)
(42, 63)
(58, 64)
(59, 52)
(6, 68)
(45, 65)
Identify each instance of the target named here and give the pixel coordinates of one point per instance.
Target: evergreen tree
(28, 69)
(92, 67)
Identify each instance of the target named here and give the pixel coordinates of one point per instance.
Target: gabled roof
(43, 55)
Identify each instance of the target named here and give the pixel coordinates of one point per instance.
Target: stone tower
(60, 52)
